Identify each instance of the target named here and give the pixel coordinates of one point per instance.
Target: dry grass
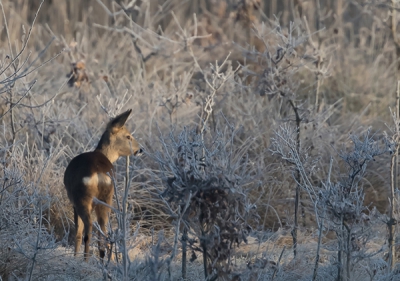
(157, 63)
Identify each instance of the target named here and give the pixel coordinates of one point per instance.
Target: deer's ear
(119, 121)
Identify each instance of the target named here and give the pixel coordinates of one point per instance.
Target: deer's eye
(128, 137)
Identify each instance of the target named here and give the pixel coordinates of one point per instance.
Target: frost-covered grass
(217, 100)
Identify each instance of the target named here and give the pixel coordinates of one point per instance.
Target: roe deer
(88, 176)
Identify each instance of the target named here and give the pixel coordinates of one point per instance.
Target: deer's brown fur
(89, 174)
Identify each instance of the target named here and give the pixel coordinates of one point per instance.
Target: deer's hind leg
(102, 213)
(78, 231)
(84, 210)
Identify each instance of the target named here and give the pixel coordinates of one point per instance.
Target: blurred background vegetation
(358, 38)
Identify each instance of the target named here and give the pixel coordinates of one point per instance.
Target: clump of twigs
(78, 75)
(338, 205)
(207, 181)
(344, 201)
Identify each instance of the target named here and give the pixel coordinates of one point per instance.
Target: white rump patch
(93, 180)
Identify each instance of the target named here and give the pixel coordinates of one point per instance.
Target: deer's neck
(105, 146)
(110, 153)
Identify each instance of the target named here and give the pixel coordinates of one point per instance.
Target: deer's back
(88, 176)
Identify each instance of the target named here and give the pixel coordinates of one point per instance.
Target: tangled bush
(207, 182)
